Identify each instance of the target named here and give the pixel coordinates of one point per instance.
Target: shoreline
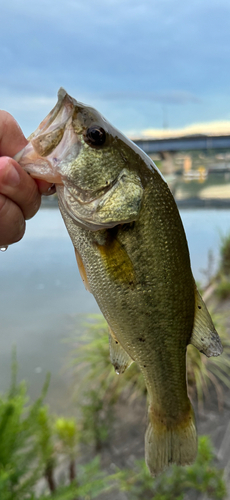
(186, 203)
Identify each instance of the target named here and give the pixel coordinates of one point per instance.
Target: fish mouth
(63, 147)
(53, 142)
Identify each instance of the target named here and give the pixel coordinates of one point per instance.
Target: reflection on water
(42, 296)
(201, 175)
(213, 186)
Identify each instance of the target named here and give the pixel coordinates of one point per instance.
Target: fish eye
(95, 136)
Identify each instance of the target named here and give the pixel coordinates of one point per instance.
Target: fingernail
(12, 177)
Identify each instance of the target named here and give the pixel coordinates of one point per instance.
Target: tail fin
(173, 444)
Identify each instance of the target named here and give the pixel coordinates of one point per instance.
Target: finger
(12, 138)
(19, 187)
(12, 222)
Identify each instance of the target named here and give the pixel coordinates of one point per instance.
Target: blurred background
(159, 71)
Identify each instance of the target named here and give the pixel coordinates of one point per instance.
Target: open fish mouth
(45, 154)
(52, 143)
(65, 150)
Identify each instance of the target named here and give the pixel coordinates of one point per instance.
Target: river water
(43, 300)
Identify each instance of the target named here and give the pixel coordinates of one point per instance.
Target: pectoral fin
(204, 336)
(118, 356)
(82, 270)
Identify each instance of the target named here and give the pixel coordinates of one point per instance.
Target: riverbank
(206, 203)
(186, 203)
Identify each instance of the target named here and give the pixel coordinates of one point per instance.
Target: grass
(33, 440)
(223, 288)
(225, 255)
(222, 276)
(204, 373)
(33, 443)
(101, 387)
(200, 478)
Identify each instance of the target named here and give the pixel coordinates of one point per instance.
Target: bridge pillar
(168, 167)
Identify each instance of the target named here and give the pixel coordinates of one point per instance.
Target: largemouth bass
(133, 256)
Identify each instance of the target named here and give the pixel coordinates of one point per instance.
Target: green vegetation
(223, 288)
(34, 444)
(204, 373)
(221, 279)
(223, 275)
(201, 477)
(225, 255)
(101, 388)
(20, 466)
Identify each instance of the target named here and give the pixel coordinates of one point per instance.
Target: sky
(145, 65)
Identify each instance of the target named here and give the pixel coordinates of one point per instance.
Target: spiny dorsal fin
(204, 336)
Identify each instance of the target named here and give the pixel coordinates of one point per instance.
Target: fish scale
(133, 256)
(160, 307)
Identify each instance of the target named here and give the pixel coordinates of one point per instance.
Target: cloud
(128, 57)
(211, 128)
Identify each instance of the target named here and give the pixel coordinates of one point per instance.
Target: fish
(133, 256)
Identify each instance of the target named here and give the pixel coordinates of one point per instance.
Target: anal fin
(118, 356)
(204, 336)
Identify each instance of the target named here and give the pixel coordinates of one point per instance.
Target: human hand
(20, 195)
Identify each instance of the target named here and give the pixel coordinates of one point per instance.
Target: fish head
(95, 168)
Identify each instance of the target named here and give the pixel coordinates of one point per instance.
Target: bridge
(185, 143)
